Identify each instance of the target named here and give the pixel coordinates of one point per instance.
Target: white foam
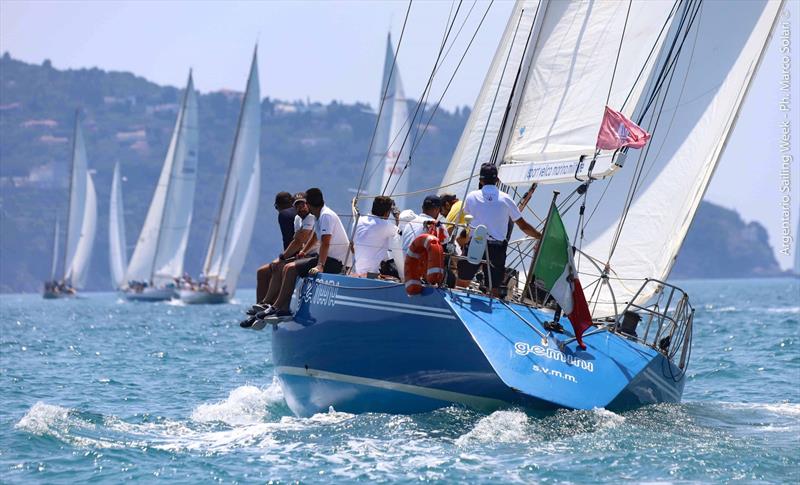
(175, 302)
(43, 419)
(244, 405)
(608, 419)
(781, 409)
(498, 427)
(789, 309)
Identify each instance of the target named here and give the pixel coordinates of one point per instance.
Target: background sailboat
(387, 172)
(233, 227)
(118, 257)
(157, 260)
(81, 225)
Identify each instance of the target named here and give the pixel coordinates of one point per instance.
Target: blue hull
(363, 345)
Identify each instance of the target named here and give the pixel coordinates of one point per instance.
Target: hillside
(129, 119)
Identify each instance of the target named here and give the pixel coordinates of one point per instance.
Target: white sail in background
(82, 220)
(387, 172)
(54, 264)
(118, 257)
(712, 76)
(160, 249)
(233, 227)
(483, 127)
(575, 55)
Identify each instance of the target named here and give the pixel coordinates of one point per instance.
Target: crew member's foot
(247, 322)
(271, 310)
(258, 307)
(259, 325)
(279, 316)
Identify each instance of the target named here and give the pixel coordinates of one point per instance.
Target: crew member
(431, 209)
(491, 207)
(373, 237)
(333, 247)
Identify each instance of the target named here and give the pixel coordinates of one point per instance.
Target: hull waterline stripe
(399, 310)
(384, 304)
(476, 402)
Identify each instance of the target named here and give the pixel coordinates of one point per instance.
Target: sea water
(101, 390)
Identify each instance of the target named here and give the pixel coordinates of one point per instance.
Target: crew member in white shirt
(491, 207)
(373, 237)
(333, 247)
(269, 275)
(431, 209)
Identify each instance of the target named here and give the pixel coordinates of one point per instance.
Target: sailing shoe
(259, 324)
(279, 316)
(271, 310)
(258, 307)
(247, 322)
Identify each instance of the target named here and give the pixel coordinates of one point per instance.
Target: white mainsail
(82, 220)
(483, 127)
(118, 257)
(160, 249)
(579, 63)
(387, 172)
(233, 227)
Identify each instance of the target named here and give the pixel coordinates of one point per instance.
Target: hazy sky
(334, 50)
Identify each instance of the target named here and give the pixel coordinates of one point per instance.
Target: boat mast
(181, 117)
(215, 231)
(69, 194)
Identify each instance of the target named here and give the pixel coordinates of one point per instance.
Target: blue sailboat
(365, 345)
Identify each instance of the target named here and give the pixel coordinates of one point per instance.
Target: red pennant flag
(617, 131)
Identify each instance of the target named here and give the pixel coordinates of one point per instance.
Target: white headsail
(723, 48)
(483, 127)
(117, 252)
(387, 172)
(579, 63)
(233, 228)
(158, 257)
(82, 220)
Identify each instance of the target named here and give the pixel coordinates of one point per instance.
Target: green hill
(129, 119)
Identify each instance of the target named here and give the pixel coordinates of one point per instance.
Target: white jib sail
(575, 55)
(233, 227)
(483, 127)
(387, 172)
(82, 215)
(160, 249)
(712, 76)
(118, 257)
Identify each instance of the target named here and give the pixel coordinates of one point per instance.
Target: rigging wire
(419, 105)
(455, 71)
(383, 98)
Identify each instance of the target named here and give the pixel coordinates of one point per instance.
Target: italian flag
(555, 271)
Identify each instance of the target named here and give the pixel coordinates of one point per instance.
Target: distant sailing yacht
(157, 261)
(81, 225)
(233, 227)
(117, 251)
(387, 171)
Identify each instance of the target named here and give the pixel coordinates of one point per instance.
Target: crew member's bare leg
(287, 287)
(274, 285)
(263, 275)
